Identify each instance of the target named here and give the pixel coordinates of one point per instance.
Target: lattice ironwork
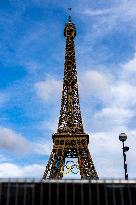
(70, 139)
(70, 120)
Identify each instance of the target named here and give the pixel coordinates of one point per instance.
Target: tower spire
(70, 19)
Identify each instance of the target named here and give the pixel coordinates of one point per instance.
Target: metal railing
(66, 192)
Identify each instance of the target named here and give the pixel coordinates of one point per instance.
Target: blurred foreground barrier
(67, 192)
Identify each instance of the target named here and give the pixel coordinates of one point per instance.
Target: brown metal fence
(67, 192)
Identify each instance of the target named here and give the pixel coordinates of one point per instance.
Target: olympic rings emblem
(61, 165)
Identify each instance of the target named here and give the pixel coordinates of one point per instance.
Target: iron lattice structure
(70, 139)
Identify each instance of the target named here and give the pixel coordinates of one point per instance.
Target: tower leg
(55, 165)
(87, 169)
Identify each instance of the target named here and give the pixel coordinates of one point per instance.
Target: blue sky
(32, 48)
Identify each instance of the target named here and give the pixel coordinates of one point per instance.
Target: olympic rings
(72, 167)
(69, 167)
(60, 165)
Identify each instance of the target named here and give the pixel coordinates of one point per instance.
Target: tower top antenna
(69, 9)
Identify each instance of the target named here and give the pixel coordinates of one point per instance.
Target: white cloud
(117, 98)
(95, 83)
(51, 124)
(43, 147)
(32, 170)
(12, 141)
(123, 94)
(49, 89)
(131, 65)
(109, 118)
(16, 143)
(14, 170)
(91, 12)
(122, 9)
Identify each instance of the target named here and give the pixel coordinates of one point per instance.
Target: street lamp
(122, 138)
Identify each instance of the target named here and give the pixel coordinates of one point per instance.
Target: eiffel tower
(70, 141)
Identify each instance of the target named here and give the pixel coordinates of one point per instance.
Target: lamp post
(122, 138)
